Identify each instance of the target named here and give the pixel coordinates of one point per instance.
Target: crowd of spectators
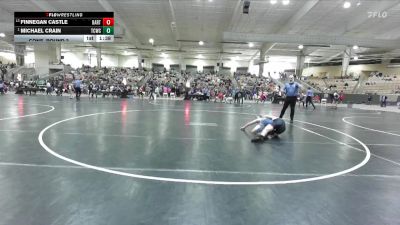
(4, 68)
(114, 81)
(210, 85)
(104, 79)
(257, 88)
(164, 84)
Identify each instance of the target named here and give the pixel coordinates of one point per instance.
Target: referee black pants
(309, 100)
(289, 100)
(78, 92)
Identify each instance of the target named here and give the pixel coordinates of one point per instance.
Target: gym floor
(113, 161)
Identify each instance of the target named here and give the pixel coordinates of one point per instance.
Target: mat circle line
(193, 181)
(29, 115)
(367, 128)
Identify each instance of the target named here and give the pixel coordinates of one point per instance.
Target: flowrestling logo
(377, 14)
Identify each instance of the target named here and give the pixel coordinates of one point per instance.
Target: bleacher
(381, 84)
(316, 83)
(345, 85)
(377, 83)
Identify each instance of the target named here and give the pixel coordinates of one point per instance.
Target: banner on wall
(19, 50)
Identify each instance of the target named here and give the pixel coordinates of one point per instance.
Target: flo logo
(377, 14)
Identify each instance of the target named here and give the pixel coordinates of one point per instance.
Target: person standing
(95, 89)
(77, 87)
(141, 92)
(70, 91)
(1, 87)
(310, 95)
(369, 99)
(302, 99)
(292, 91)
(383, 100)
(240, 96)
(156, 92)
(90, 87)
(48, 88)
(151, 96)
(341, 96)
(335, 100)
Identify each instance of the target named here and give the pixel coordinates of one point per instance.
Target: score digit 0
(108, 22)
(108, 30)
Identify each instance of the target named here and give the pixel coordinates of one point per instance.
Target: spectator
(383, 100)
(1, 87)
(341, 97)
(369, 99)
(48, 88)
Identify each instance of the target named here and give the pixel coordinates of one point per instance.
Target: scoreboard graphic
(63, 26)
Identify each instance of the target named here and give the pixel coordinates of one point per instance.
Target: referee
(77, 87)
(292, 91)
(310, 95)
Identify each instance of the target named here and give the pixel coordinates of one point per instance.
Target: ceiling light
(210, 0)
(285, 2)
(301, 46)
(355, 47)
(273, 2)
(151, 40)
(355, 57)
(2, 34)
(201, 43)
(347, 4)
(251, 44)
(358, 3)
